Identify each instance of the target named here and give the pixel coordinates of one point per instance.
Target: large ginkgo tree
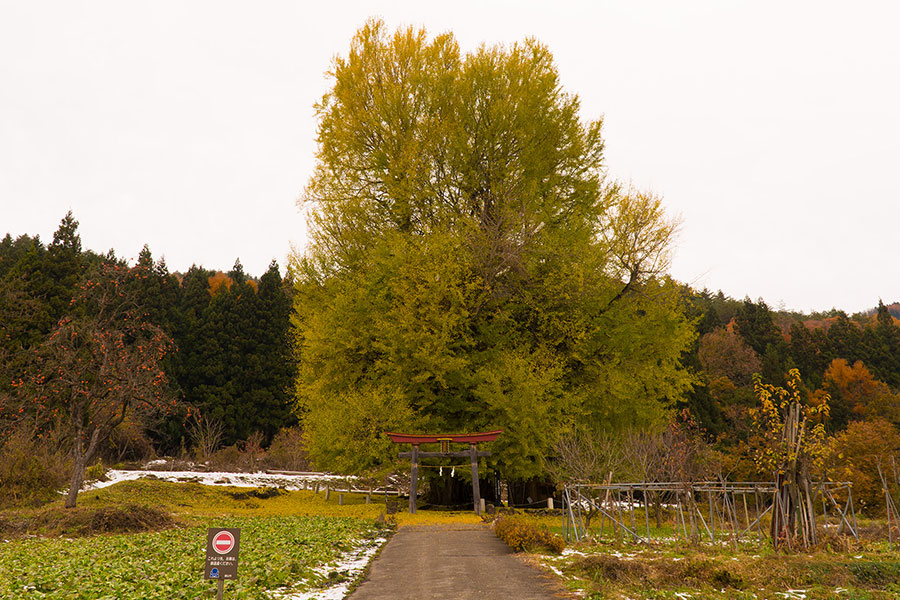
(470, 264)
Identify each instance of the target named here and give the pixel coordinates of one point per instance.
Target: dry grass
(56, 521)
(664, 570)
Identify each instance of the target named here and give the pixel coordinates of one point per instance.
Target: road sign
(223, 542)
(222, 546)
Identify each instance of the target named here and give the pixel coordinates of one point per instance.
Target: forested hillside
(854, 359)
(231, 362)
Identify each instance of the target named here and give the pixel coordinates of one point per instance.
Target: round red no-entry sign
(223, 542)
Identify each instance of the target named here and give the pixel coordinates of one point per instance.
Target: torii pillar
(444, 440)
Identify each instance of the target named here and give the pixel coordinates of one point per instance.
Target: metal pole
(887, 506)
(853, 513)
(221, 587)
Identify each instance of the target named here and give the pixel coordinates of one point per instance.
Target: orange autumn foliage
(858, 390)
(220, 280)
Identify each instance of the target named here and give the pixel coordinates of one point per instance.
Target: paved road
(453, 562)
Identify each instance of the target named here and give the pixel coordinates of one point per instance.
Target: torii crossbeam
(444, 439)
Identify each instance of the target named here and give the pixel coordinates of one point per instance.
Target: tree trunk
(76, 481)
(81, 459)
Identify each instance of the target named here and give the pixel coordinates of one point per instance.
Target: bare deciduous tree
(585, 456)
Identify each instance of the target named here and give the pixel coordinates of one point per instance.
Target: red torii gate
(444, 439)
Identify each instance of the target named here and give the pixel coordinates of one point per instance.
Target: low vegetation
(276, 552)
(668, 569)
(111, 547)
(523, 535)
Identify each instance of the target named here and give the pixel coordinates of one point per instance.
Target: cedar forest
(475, 268)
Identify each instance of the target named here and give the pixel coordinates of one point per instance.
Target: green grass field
(286, 540)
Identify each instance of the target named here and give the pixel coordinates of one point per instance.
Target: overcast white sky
(771, 128)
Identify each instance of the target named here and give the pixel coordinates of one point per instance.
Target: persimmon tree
(100, 363)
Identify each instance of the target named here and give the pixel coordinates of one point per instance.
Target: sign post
(222, 547)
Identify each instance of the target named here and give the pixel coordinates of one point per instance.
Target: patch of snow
(683, 595)
(350, 565)
(555, 570)
(259, 479)
(793, 594)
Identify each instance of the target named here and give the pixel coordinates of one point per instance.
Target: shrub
(523, 536)
(246, 456)
(226, 459)
(287, 451)
(96, 472)
(128, 442)
(32, 471)
(263, 493)
(611, 568)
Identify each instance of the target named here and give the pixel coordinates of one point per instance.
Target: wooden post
(602, 515)
(647, 512)
(692, 508)
(746, 512)
(621, 521)
(631, 504)
(413, 478)
(340, 499)
(327, 492)
(476, 491)
(759, 532)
